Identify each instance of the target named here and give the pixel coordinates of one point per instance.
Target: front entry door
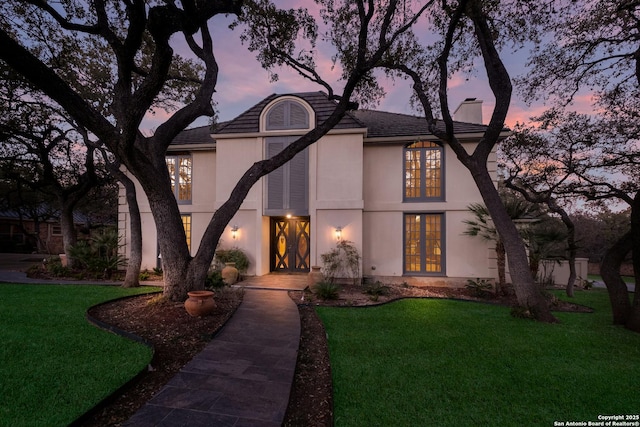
(290, 245)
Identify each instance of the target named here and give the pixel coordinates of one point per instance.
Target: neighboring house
(24, 234)
(378, 179)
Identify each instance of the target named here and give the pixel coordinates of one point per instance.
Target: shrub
(521, 312)
(99, 254)
(376, 289)
(214, 280)
(236, 255)
(144, 275)
(327, 290)
(480, 287)
(55, 267)
(587, 284)
(344, 259)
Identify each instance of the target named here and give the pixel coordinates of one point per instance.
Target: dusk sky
(242, 82)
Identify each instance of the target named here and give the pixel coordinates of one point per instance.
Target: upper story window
(423, 172)
(180, 174)
(287, 114)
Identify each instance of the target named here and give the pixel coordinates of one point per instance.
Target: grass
(54, 365)
(626, 279)
(451, 363)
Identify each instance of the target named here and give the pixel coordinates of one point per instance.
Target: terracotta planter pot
(200, 303)
(229, 273)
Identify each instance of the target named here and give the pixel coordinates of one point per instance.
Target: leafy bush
(376, 290)
(520, 312)
(55, 267)
(99, 254)
(214, 280)
(236, 255)
(327, 290)
(144, 275)
(480, 287)
(344, 259)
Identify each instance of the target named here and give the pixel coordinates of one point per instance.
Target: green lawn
(54, 365)
(452, 363)
(626, 279)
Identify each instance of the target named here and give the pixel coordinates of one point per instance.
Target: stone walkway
(243, 377)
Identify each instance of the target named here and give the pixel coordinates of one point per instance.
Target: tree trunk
(633, 320)
(571, 242)
(501, 261)
(67, 226)
(534, 265)
(132, 278)
(527, 293)
(617, 288)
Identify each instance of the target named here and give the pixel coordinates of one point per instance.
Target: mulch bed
(177, 337)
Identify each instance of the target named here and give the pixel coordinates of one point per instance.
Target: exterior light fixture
(234, 231)
(338, 233)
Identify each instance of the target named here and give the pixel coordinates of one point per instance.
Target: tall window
(180, 174)
(423, 172)
(423, 244)
(186, 223)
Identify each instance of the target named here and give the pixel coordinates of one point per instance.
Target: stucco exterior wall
(384, 214)
(354, 185)
(203, 199)
(336, 192)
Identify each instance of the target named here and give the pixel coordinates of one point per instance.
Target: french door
(290, 244)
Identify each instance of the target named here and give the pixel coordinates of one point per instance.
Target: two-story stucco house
(377, 179)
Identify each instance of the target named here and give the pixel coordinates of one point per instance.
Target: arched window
(287, 114)
(423, 172)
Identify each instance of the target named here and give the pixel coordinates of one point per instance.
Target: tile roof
(379, 124)
(249, 121)
(199, 135)
(382, 124)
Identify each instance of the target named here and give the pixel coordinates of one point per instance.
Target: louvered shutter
(298, 117)
(298, 182)
(287, 186)
(276, 116)
(275, 180)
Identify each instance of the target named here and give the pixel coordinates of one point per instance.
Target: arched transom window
(287, 114)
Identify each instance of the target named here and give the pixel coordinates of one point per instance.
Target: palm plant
(520, 211)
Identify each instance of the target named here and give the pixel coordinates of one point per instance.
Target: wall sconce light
(338, 233)
(234, 231)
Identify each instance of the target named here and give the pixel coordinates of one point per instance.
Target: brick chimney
(469, 111)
